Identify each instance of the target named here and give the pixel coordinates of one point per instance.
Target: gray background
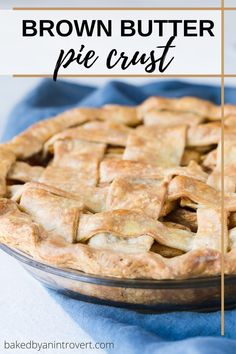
(112, 3)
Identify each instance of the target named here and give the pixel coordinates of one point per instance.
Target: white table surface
(28, 312)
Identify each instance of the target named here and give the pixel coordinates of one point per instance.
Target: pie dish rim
(146, 283)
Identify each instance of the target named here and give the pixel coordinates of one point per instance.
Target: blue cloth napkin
(131, 332)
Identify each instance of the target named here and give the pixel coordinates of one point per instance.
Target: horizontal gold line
(114, 8)
(129, 75)
(120, 75)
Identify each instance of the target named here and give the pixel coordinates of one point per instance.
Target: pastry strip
(210, 159)
(15, 224)
(157, 146)
(130, 223)
(209, 229)
(21, 171)
(146, 195)
(98, 132)
(195, 190)
(204, 134)
(70, 180)
(171, 118)
(110, 169)
(214, 179)
(121, 114)
(49, 188)
(55, 213)
(31, 141)
(186, 104)
(73, 149)
(108, 241)
(7, 158)
(17, 229)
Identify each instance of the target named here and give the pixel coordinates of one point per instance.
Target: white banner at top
(110, 42)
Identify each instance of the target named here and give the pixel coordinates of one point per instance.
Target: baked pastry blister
(126, 192)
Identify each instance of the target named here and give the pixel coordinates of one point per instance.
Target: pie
(128, 192)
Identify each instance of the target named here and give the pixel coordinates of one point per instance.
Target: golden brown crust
(7, 158)
(185, 104)
(54, 213)
(204, 134)
(17, 229)
(113, 168)
(210, 159)
(162, 147)
(121, 114)
(54, 250)
(107, 241)
(209, 229)
(171, 119)
(193, 189)
(113, 197)
(97, 132)
(194, 105)
(67, 179)
(68, 152)
(23, 172)
(147, 195)
(32, 139)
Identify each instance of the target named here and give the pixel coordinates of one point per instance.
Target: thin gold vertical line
(222, 173)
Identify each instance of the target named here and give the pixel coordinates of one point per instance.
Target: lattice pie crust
(130, 192)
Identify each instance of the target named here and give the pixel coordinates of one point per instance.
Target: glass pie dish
(200, 294)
